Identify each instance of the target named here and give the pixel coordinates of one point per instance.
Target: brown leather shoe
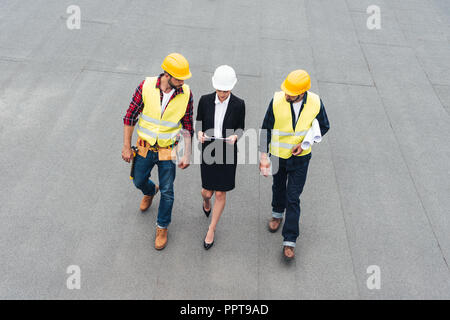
(289, 252)
(161, 238)
(147, 200)
(274, 224)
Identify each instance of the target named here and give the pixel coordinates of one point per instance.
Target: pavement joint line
(249, 75)
(348, 84)
(239, 74)
(276, 39)
(188, 26)
(357, 11)
(112, 71)
(399, 145)
(384, 44)
(437, 95)
(92, 21)
(10, 59)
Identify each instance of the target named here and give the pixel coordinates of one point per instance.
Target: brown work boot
(274, 224)
(289, 252)
(161, 238)
(147, 200)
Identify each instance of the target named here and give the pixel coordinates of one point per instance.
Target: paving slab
(407, 99)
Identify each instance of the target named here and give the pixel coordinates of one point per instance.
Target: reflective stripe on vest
(162, 122)
(153, 127)
(284, 138)
(155, 135)
(283, 133)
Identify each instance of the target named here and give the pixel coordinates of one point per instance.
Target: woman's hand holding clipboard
(202, 137)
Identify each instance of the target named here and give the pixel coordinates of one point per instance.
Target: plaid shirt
(137, 105)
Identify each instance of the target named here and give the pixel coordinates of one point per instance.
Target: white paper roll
(313, 135)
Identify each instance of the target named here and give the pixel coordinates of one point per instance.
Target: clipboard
(214, 138)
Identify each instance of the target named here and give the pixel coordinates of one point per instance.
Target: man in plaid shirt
(158, 127)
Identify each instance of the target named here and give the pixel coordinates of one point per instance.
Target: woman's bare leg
(219, 205)
(207, 195)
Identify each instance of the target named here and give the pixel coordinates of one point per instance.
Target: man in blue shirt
(289, 166)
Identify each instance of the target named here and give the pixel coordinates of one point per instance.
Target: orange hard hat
(296, 83)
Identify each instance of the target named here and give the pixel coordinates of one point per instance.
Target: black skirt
(218, 167)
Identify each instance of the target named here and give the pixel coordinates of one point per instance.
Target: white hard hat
(224, 78)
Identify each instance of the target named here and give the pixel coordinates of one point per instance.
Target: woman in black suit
(221, 118)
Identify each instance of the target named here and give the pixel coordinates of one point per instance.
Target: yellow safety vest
(151, 126)
(284, 138)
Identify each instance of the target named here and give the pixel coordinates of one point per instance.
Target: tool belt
(164, 153)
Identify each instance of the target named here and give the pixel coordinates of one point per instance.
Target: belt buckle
(153, 148)
(156, 147)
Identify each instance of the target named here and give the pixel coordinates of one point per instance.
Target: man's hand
(127, 154)
(264, 165)
(184, 162)
(232, 139)
(297, 149)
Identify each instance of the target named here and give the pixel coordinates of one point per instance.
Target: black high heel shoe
(207, 213)
(207, 246)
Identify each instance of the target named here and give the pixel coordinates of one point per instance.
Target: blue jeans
(166, 174)
(287, 187)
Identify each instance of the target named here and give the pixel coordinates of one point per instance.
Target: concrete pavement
(378, 186)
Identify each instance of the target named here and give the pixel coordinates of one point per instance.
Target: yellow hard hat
(296, 83)
(177, 66)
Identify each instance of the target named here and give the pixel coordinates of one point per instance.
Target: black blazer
(233, 121)
(234, 117)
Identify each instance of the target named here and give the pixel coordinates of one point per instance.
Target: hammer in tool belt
(135, 150)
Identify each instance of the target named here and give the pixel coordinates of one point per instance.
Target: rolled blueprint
(313, 135)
